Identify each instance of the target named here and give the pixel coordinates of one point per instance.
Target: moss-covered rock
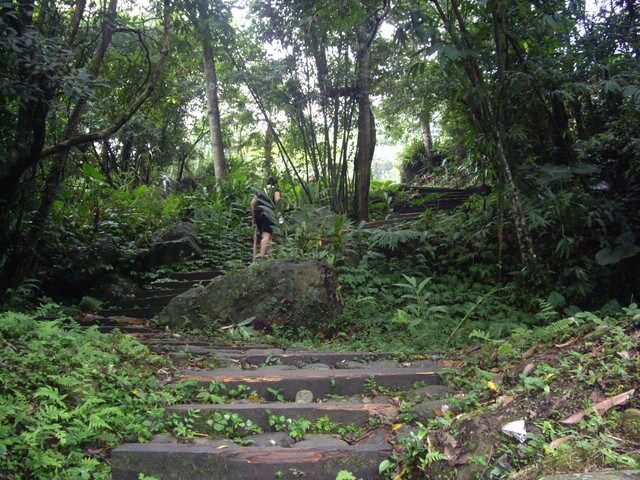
(298, 294)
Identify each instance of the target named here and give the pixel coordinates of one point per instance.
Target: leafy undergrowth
(67, 396)
(572, 383)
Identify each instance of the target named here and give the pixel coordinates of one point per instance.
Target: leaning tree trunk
(211, 85)
(268, 151)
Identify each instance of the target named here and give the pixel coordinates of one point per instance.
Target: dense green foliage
(101, 150)
(68, 396)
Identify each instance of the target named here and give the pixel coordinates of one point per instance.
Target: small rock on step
(304, 396)
(275, 439)
(429, 410)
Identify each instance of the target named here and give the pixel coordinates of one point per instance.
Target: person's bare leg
(265, 244)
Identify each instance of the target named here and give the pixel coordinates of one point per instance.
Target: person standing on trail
(263, 214)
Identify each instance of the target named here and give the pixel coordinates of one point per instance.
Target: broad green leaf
(92, 172)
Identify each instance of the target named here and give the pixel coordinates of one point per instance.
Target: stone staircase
(349, 388)
(358, 390)
(427, 198)
(149, 302)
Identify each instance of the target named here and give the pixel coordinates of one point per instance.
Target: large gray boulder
(298, 294)
(176, 245)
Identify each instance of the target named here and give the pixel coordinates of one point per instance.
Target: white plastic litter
(516, 430)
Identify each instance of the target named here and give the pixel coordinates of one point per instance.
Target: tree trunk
(366, 143)
(268, 151)
(366, 136)
(211, 85)
(427, 138)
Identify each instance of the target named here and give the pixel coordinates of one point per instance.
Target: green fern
(547, 311)
(560, 327)
(392, 239)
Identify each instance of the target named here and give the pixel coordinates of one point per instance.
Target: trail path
(348, 388)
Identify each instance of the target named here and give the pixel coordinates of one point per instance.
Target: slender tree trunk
(268, 151)
(211, 85)
(366, 138)
(366, 123)
(427, 138)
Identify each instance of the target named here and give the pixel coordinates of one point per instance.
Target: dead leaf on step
(505, 400)
(396, 426)
(406, 364)
(451, 363)
(601, 407)
(624, 355)
(528, 369)
(567, 343)
(557, 442)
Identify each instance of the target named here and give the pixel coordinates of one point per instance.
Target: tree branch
(129, 112)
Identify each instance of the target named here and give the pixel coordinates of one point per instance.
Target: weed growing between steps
(221, 424)
(542, 376)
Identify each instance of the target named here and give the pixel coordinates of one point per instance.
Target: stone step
(227, 461)
(196, 276)
(146, 312)
(90, 320)
(344, 413)
(255, 357)
(179, 284)
(320, 382)
(129, 329)
(151, 301)
(160, 292)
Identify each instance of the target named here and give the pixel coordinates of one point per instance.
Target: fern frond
(560, 327)
(52, 393)
(547, 311)
(393, 239)
(97, 422)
